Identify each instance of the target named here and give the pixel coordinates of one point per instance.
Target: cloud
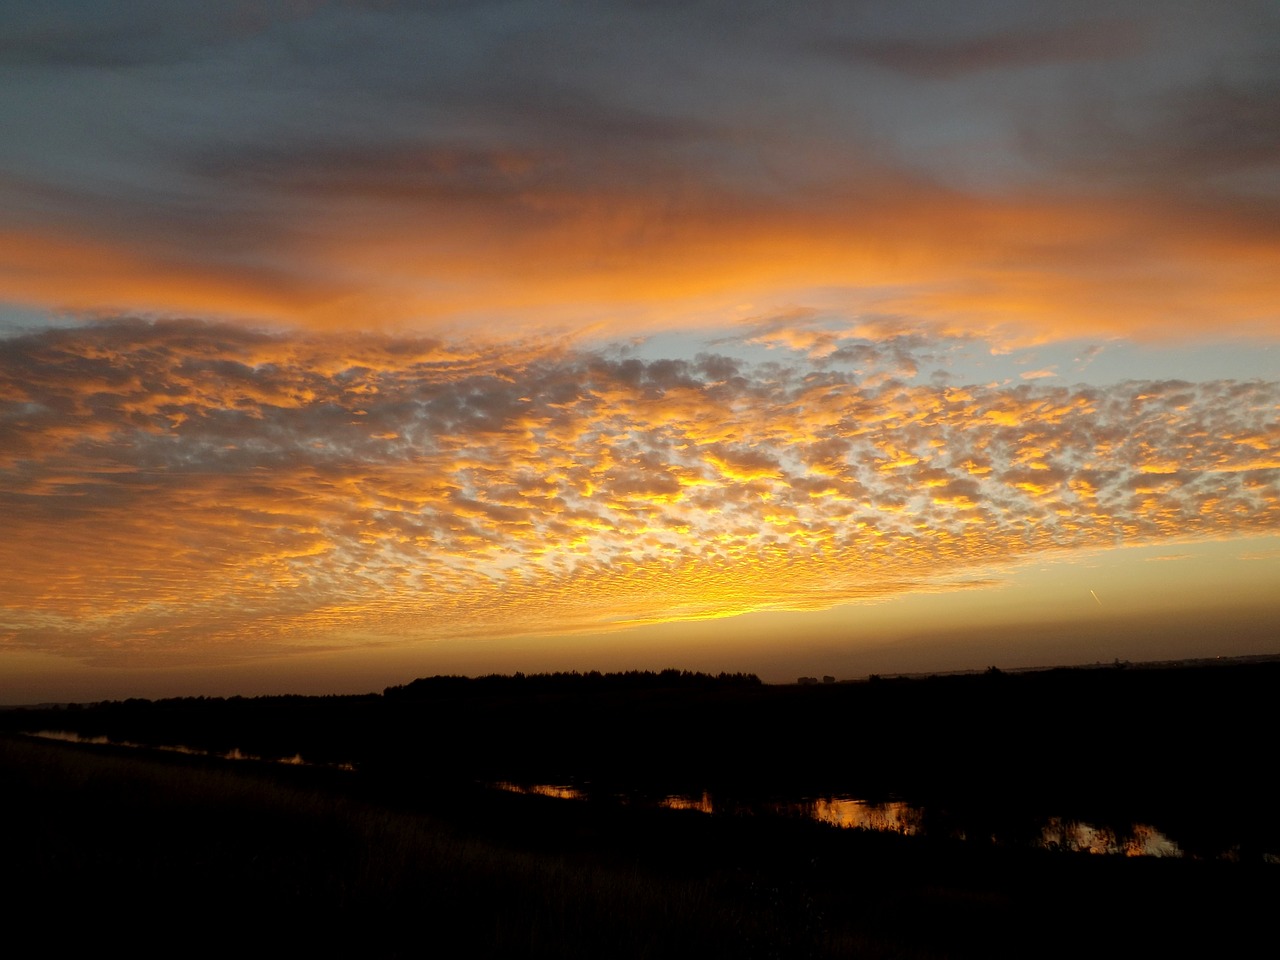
(1213, 133)
(414, 237)
(181, 490)
(1027, 46)
(621, 169)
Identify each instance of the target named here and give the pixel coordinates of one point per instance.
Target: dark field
(407, 856)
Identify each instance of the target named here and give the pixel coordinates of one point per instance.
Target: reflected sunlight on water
(703, 803)
(235, 753)
(560, 792)
(844, 812)
(897, 816)
(1140, 840)
(894, 816)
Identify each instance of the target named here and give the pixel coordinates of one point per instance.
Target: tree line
(570, 682)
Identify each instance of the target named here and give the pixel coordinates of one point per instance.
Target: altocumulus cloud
(182, 491)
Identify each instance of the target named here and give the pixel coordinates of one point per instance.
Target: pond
(909, 819)
(233, 754)
(895, 815)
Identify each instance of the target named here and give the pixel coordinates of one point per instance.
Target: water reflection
(703, 803)
(894, 816)
(235, 753)
(844, 812)
(69, 737)
(902, 817)
(560, 792)
(1053, 833)
(1139, 840)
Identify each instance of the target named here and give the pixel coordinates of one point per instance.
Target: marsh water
(909, 819)
(898, 816)
(233, 754)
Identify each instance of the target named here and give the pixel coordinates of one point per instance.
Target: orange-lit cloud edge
(1017, 268)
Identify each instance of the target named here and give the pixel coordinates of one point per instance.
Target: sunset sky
(345, 343)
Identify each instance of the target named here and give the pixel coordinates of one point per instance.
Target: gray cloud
(1026, 46)
(431, 163)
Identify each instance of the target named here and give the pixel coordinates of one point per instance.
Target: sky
(345, 343)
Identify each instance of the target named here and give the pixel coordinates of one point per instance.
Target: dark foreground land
(178, 854)
(407, 856)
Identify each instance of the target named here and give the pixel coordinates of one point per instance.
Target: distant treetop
(572, 682)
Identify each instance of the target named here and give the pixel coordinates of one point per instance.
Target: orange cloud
(187, 491)
(609, 261)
